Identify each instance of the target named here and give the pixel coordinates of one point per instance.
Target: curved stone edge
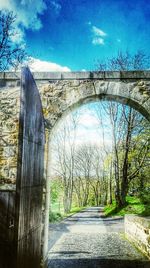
(58, 99)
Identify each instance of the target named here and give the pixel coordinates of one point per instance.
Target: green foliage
(145, 199)
(134, 205)
(56, 189)
(57, 209)
(91, 199)
(145, 196)
(54, 216)
(57, 216)
(74, 210)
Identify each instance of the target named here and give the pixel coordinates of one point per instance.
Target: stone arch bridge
(60, 93)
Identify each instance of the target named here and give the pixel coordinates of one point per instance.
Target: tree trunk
(110, 185)
(124, 191)
(124, 182)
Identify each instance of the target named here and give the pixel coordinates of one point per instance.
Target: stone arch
(67, 95)
(62, 92)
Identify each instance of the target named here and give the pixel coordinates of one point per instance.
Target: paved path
(88, 240)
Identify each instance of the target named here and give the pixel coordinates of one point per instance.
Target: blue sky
(75, 33)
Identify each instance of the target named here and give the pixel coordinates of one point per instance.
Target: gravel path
(88, 240)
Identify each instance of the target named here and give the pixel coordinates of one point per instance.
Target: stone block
(137, 230)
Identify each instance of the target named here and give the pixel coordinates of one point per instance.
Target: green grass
(57, 207)
(55, 216)
(134, 205)
(57, 213)
(74, 210)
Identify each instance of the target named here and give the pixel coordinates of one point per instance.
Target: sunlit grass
(57, 212)
(134, 205)
(74, 210)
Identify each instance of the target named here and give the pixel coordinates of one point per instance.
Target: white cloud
(27, 16)
(89, 129)
(5, 4)
(18, 36)
(98, 32)
(27, 12)
(37, 65)
(56, 6)
(92, 137)
(98, 36)
(98, 41)
(87, 119)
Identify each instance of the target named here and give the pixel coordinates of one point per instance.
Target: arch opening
(74, 107)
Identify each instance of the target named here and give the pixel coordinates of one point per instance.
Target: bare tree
(97, 170)
(126, 129)
(124, 121)
(90, 183)
(64, 150)
(83, 165)
(11, 54)
(125, 61)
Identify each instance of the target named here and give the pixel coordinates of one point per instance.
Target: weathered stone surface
(60, 93)
(137, 230)
(122, 75)
(9, 118)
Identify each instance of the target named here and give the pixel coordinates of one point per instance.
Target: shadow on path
(87, 240)
(97, 263)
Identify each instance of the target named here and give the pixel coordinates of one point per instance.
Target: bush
(145, 196)
(54, 216)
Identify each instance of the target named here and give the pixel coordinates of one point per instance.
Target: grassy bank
(57, 214)
(74, 210)
(134, 205)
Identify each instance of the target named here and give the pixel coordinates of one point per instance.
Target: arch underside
(104, 97)
(123, 100)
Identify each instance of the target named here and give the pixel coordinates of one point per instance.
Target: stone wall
(137, 230)
(60, 93)
(9, 122)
